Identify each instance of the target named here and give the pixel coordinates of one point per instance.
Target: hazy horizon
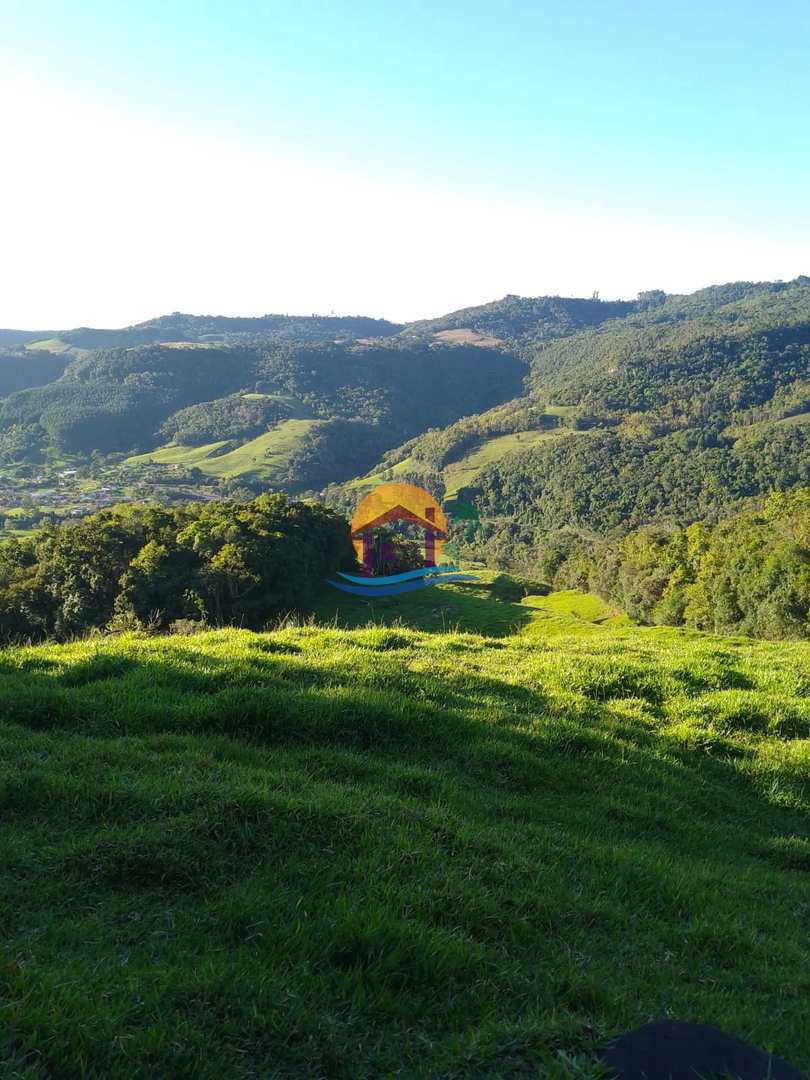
(394, 162)
(362, 314)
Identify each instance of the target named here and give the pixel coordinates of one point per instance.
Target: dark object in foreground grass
(674, 1050)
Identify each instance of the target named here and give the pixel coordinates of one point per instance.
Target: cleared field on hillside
(265, 456)
(407, 464)
(465, 471)
(754, 430)
(55, 345)
(467, 337)
(385, 851)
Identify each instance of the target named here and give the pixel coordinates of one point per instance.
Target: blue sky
(398, 159)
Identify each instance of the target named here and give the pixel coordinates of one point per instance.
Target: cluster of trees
(523, 322)
(115, 401)
(20, 368)
(407, 385)
(601, 481)
(202, 328)
(748, 573)
(689, 359)
(334, 448)
(220, 563)
(679, 377)
(237, 416)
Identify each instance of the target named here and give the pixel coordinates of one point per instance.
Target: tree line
(746, 574)
(163, 567)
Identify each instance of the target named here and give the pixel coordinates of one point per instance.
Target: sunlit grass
(466, 469)
(400, 850)
(264, 457)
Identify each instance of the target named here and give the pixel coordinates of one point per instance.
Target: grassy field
(371, 479)
(264, 457)
(464, 471)
(400, 850)
(752, 431)
(56, 345)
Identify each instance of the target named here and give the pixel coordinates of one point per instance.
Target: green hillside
(465, 471)
(523, 321)
(266, 457)
(400, 849)
(372, 396)
(180, 327)
(693, 407)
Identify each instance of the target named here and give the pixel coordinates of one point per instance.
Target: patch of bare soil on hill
(467, 336)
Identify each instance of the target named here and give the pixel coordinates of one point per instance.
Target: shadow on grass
(500, 736)
(491, 608)
(308, 855)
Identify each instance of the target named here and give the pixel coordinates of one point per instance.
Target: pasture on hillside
(264, 457)
(355, 852)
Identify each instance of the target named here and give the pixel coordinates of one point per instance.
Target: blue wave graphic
(392, 579)
(395, 588)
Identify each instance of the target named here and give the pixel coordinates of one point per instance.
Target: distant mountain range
(546, 412)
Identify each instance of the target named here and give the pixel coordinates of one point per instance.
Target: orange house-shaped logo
(398, 502)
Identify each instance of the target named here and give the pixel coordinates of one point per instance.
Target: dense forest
(20, 369)
(747, 573)
(160, 567)
(558, 423)
(603, 481)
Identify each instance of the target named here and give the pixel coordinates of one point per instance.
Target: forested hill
(686, 409)
(222, 328)
(347, 402)
(520, 321)
(549, 410)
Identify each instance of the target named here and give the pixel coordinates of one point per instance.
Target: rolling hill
(687, 408)
(366, 850)
(366, 397)
(265, 458)
(548, 411)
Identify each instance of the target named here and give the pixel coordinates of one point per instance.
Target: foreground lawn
(360, 853)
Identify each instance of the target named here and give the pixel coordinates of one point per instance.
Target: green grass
(397, 851)
(264, 457)
(406, 465)
(21, 534)
(752, 431)
(562, 612)
(56, 345)
(173, 454)
(492, 605)
(465, 471)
